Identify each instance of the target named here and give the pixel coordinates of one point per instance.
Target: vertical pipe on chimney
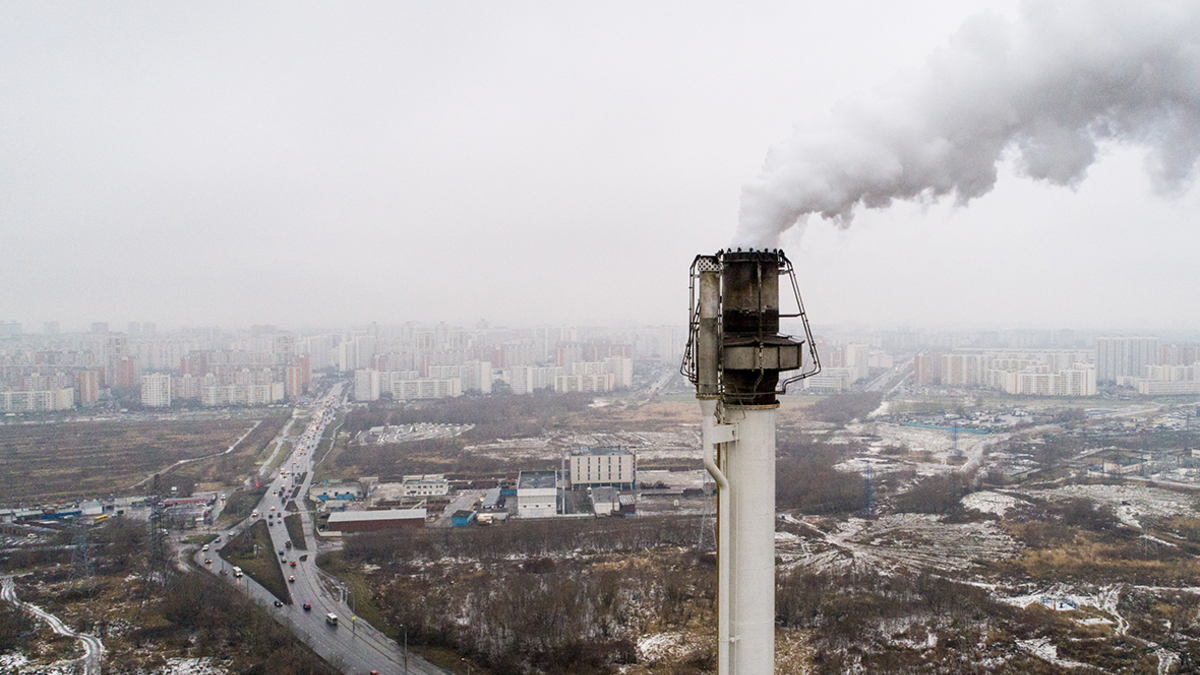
(708, 345)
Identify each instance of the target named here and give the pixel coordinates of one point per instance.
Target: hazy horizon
(530, 163)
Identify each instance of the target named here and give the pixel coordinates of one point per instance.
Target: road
(93, 648)
(353, 646)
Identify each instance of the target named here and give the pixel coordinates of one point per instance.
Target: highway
(353, 646)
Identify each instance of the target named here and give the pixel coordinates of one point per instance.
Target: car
(208, 561)
(291, 580)
(293, 563)
(281, 553)
(279, 603)
(204, 547)
(307, 607)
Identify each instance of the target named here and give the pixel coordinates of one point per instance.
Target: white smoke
(1045, 88)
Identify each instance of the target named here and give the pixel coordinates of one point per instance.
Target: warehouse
(365, 521)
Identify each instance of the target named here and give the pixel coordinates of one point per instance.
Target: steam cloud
(1046, 88)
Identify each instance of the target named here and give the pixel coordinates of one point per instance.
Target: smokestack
(735, 356)
(1044, 89)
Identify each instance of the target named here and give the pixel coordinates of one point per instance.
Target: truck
(237, 572)
(331, 619)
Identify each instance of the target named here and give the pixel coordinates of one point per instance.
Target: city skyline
(526, 164)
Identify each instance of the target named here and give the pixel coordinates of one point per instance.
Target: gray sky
(305, 163)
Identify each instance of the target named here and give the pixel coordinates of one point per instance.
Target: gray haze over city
(318, 164)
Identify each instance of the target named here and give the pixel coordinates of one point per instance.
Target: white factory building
(537, 494)
(606, 465)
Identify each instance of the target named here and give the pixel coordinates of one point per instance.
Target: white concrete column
(751, 473)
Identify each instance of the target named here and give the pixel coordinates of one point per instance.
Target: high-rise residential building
(50, 328)
(364, 350)
(156, 390)
(1124, 357)
(477, 376)
(858, 360)
(347, 358)
(927, 368)
(87, 385)
(134, 329)
(366, 385)
(100, 328)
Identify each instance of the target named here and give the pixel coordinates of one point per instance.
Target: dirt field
(51, 462)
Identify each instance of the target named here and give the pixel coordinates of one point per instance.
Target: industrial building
(537, 494)
(427, 485)
(603, 465)
(366, 521)
(327, 491)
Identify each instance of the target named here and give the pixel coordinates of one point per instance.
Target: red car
(307, 607)
(293, 563)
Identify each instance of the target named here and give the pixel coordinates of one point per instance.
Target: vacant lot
(89, 459)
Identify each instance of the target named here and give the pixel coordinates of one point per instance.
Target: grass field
(239, 504)
(295, 528)
(66, 461)
(262, 567)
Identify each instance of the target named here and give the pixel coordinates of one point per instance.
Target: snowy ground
(682, 445)
(1131, 502)
(893, 543)
(989, 502)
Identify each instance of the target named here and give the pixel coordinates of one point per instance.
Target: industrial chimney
(734, 357)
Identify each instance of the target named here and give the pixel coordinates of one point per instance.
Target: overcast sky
(340, 163)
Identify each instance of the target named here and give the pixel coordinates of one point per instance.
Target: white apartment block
(1166, 380)
(527, 379)
(477, 376)
(615, 466)
(347, 356)
(156, 390)
(858, 360)
(587, 383)
(1037, 372)
(241, 394)
(366, 385)
(831, 380)
(405, 390)
(1078, 381)
(1124, 356)
(37, 401)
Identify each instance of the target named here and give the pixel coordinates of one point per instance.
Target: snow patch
(989, 502)
(658, 646)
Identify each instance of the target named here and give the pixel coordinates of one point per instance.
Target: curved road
(353, 646)
(93, 648)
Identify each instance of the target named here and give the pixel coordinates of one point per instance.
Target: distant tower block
(739, 362)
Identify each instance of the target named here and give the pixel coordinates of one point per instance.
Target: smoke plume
(1043, 90)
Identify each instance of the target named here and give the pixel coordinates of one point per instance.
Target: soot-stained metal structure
(740, 362)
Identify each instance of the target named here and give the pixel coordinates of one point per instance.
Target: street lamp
(468, 666)
(405, 648)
